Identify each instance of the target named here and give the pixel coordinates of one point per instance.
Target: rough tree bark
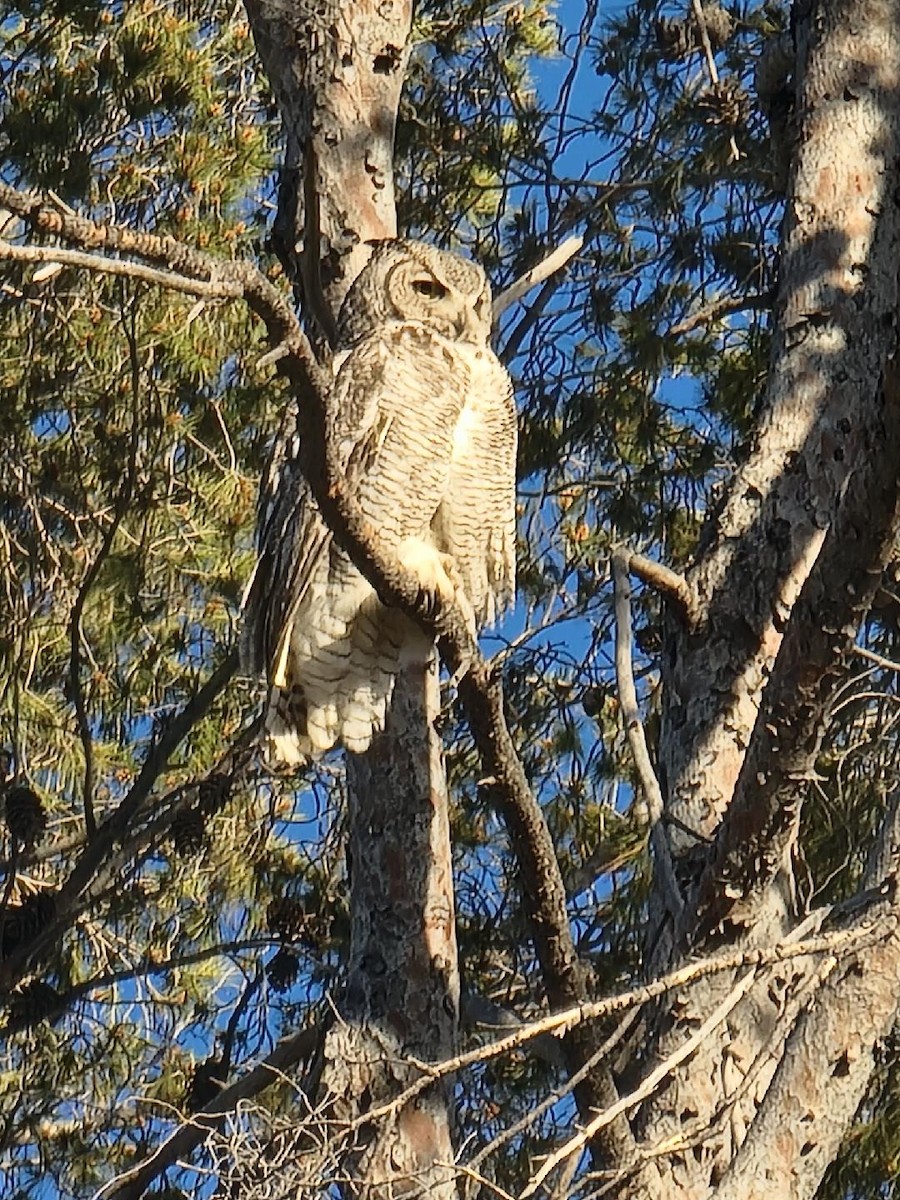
(788, 568)
(402, 994)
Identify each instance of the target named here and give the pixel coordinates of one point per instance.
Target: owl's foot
(439, 580)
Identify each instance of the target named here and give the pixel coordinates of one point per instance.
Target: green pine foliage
(133, 427)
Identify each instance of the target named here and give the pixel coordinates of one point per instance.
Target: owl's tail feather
(339, 679)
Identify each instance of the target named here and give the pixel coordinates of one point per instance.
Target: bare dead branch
(554, 1096)
(670, 584)
(889, 664)
(631, 714)
(646, 1088)
(840, 943)
(549, 265)
(634, 728)
(125, 268)
(290, 1050)
(725, 306)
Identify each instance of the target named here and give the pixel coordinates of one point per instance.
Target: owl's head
(412, 281)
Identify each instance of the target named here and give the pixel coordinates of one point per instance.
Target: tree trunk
(787, 570)
(337, 71)
(402, 994)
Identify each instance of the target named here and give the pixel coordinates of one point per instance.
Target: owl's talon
(429, 603)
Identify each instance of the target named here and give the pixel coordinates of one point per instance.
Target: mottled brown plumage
(423, 419)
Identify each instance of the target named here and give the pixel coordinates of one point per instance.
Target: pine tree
(707, 423)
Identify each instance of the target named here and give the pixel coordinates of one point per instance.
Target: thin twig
(483, 1182)
(289, 1051)
(835, 942)
(76, 627)
(577, 1143)
(878, 659)
(697, 8)
(725, 306)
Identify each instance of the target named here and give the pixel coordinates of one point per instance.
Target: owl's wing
(476, 520)
(291, 539)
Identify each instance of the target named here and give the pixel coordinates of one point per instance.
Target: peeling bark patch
(387, 61)
(842, 1066)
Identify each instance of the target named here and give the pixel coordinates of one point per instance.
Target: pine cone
(25, 816)
(674, 38)
(283, 970)
(22, 923)
(286, 917)
(719, 25)
(189, 832)
(206, 1084)
(723, 103)
(36, 1002)
(212, 793)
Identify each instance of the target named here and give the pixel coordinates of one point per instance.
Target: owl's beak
(468, 327)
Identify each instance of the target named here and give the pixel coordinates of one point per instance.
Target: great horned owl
(424, 423)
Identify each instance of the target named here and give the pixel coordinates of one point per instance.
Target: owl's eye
(430, 288)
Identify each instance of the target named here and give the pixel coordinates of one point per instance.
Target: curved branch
(548, 265)
(480, 690)
(634, 729)
(125, 268)
(671, 585)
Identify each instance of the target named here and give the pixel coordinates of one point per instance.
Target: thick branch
(670, 584)
(822, 1077)
(549, 265)
(835, 332)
